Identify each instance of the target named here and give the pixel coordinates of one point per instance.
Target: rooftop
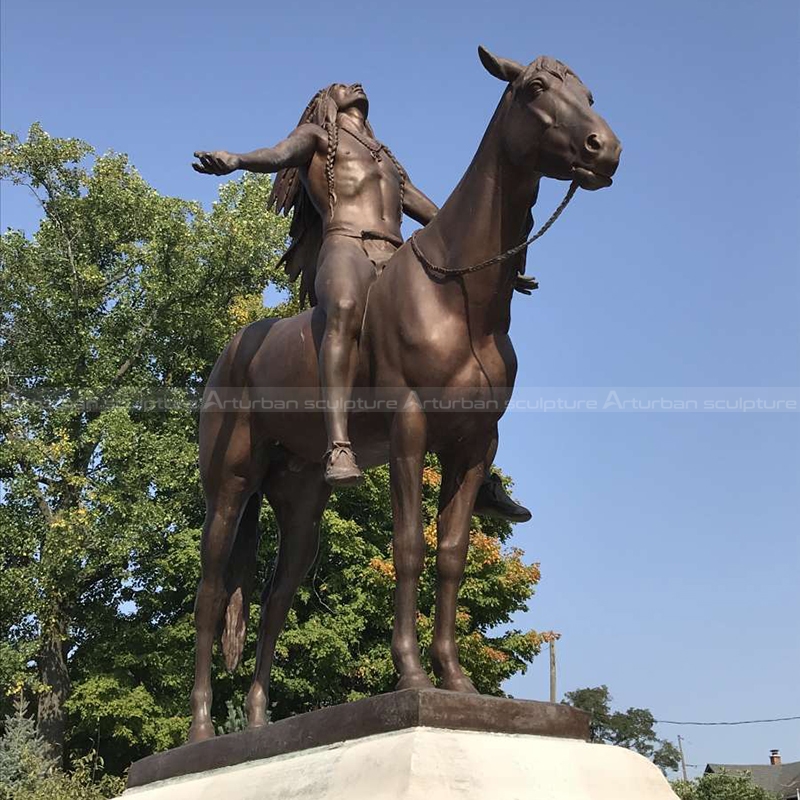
(782, 779)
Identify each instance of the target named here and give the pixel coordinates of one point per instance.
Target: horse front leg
(462, 474)
(408, 443)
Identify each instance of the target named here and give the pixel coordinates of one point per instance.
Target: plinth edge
(394, 711)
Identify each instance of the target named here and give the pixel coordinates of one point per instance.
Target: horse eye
(538, 86)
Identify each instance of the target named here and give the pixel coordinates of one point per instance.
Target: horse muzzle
(587, 178)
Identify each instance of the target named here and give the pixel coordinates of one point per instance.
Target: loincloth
(377, 247)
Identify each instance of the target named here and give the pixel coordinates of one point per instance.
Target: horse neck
(483, 217)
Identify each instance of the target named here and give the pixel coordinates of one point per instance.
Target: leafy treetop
(632, 728)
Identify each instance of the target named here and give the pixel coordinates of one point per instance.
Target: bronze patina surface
(429, 338)
(431, 708)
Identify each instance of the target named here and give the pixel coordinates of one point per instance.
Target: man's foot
(340, 466)
(492, 501)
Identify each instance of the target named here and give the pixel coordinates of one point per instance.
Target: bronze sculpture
(437, 316)
(342, 247)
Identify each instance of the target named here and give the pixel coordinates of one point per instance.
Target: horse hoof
(201, 731)
(459, 683)
(416, 680)
(257, 721)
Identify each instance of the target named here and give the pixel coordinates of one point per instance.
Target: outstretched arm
(417, 205)
(295, 150)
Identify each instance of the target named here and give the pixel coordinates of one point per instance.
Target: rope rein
(503, 256)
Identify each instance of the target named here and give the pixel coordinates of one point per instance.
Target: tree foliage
(113, 313)
(23, 753)
(632, 728)
(27, 773)
(121, 293)
(722, 786)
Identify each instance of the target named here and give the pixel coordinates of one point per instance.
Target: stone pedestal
(428, 745)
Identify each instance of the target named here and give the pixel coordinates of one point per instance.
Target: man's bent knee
(344, 316)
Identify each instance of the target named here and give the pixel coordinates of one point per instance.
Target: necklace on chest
(373, 145)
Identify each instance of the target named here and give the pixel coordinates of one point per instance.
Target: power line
(741, 722)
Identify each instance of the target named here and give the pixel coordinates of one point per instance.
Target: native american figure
(347, 194)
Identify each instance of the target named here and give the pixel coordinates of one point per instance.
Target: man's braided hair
(289, 195)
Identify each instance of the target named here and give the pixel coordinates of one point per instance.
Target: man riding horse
(348, 194)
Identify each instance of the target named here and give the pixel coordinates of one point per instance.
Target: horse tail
(239, 580)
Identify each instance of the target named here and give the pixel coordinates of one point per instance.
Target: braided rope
(503, 256)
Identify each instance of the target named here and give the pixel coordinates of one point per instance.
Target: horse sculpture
(434, 337)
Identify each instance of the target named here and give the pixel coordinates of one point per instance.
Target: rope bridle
(504, 255)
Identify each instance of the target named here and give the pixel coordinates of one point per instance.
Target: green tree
(82, 783)
(119, 292)
(722, 786)
(23, 753)
(632, 728)
(26, 773)
(121, 297)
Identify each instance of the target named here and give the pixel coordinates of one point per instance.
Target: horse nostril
(594, 144)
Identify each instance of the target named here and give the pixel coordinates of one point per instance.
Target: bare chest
(356, 168)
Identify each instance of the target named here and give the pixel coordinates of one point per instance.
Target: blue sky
(668, 541)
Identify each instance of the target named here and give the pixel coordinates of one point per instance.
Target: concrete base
(423, 763)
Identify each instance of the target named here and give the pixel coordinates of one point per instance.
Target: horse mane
(289, 195)
(552, 65)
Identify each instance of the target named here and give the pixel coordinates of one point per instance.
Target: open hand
(525, 284)
(217, 162)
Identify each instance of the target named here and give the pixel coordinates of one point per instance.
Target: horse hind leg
(223, 513)
(232, 467)
(298, 497)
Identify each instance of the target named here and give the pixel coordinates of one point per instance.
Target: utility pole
(683, 760)
(552, 670)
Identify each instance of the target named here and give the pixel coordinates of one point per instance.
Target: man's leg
(492, 499)
(343, 277)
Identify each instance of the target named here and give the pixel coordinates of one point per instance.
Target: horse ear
(503, 68)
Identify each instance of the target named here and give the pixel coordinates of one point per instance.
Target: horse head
(548, 125)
